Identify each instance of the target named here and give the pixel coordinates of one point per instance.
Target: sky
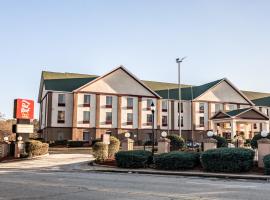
(227, 38)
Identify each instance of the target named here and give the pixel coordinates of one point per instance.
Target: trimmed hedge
(221, 141)
(133, 159)
(266, 161)
(176, 142)
(100, 151)
(254, 140)
(36, 148)
(177, 160)
(114, 146)
(227, 160)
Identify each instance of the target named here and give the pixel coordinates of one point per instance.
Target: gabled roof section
(265, 102)
(126, 72)
(245, 113)
(187, 93)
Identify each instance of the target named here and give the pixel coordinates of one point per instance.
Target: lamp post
(179, 61)
(153, 127)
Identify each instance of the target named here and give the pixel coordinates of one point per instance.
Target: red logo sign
(24, 109)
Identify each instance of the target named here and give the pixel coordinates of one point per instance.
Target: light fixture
(127, 135)
(210, 133)
(164, 134)
(153, 107)
(19, 138)
(6, 138)
(264, 133)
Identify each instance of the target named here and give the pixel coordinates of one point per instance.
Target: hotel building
(83, 107)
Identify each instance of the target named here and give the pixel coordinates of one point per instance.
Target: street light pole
(153, 127)
(179, 61)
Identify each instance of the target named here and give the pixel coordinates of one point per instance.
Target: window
(218, 107)
(267, 112)
(86, 136)
(108, 117)
(86, 117)
(61, 117)
(201, 107)
(86, 100)
(164, 121)
(231, 107)
(149, 119)
(201, 121)
(108, 101)
(181, 107)
(130, 103)
(61, 100)
(255, 126)
(164, 106)
(129, 118)
(149, 102)
(182, 121)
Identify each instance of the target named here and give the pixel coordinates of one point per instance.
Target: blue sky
(220, 38)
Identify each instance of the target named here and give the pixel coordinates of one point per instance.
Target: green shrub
(221, 141)
(176, 160)
(266, 161)
(36, 148)
(113, 146)
(100, 151)
(133, 159)
(254, 140)
(227, 160)
(71, 143)
(176, 142)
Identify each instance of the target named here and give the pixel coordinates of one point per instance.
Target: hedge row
(133, 159)
(36, 148)
(177, 160)
(227, 160)
(266, 161)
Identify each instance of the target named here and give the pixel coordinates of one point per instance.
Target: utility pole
(179, 61)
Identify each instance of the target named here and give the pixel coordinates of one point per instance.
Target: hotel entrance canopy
(242, 121)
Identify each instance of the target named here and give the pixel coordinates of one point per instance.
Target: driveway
(52, 161)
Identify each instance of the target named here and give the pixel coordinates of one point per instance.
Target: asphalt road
(46, 184)
(63, 176)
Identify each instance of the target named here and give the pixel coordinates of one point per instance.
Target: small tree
(176, 143)
(114, 146)
(221, 141)
(100, 151)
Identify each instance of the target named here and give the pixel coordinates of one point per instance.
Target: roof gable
(262, 101)
(118, 81)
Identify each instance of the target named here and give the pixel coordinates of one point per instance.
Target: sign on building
(23, 109)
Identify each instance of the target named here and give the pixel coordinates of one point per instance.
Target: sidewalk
(101, 168)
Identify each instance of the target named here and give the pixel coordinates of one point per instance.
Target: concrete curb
(23, 159)
(183, 173)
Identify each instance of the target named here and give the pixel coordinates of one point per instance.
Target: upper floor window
(86, 100)
(218, 107)
(61, 117)
(164, 106)
(201, 107)
(61, 100)
(180, 105)
(149, 102)
(86, 117)
(201, 122)
(164, 120)
(182, 121)
(108, 101)
(129, 118)
(108, 117)
(130, 103)
(232, 107)
(149, 119)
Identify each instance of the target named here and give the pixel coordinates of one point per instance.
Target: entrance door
(86, 136)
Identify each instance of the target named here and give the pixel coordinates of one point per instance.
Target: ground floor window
(86, 136)
(201, 122)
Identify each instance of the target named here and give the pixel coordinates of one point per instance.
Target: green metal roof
(262, 101)
(67, 85)
(233, 113)
(187, 93)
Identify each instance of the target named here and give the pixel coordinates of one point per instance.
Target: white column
(233, 128)
(265, 126)
(214, 127)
